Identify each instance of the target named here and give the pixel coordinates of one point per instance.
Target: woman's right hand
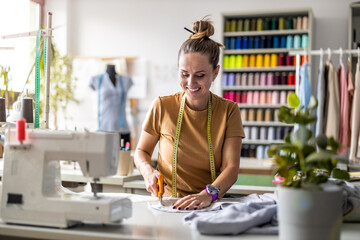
(151, 179)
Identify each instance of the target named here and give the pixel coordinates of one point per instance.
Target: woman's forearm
(142, 160)
(226, 179)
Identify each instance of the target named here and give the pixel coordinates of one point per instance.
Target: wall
(154, 30)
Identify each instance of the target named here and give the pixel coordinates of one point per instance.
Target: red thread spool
(20, 129)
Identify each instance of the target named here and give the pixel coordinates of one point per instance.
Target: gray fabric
(250, 212)
(256, 214)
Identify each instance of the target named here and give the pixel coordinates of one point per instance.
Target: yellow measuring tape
(176, 143)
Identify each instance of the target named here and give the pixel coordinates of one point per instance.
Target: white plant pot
(309, 215)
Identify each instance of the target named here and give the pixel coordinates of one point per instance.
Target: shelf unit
(261, 40)
(354, 32)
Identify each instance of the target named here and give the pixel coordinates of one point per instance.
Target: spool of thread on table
(2, 110)
(27, 110)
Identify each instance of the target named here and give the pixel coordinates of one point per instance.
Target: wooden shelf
(257, 87)
(261, 69)
(266, 124)
(261, 50)
(266, 33)
(245, 105)
(262, 142)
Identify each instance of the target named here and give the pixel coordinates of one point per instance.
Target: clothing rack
(319, 52)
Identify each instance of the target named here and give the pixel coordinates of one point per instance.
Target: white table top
(145, 223)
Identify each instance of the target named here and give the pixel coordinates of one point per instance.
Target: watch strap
(214, 196)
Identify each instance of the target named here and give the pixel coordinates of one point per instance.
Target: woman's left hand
(194, 201)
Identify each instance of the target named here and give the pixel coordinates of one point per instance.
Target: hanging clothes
(332, 103)
(351, 97)
(320, 96)
(355, 122)
(304, 86)
(344, 110)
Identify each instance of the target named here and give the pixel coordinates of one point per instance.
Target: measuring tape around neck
(176, 143)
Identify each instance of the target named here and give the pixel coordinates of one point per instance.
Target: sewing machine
(32, 193)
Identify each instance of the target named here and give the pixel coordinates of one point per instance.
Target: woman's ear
(216, 72)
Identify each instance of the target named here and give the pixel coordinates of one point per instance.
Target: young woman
(199, 133)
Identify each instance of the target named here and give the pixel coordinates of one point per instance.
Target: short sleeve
(94, 83)
(151, 124)
(234, 126)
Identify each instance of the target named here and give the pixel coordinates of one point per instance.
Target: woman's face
(196, 75)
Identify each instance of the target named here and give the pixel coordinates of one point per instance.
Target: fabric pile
(257, 214)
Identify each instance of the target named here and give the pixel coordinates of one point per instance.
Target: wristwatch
(213, 191)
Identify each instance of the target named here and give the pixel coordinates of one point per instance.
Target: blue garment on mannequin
(112, 102)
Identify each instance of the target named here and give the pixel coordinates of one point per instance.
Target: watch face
(212, 189)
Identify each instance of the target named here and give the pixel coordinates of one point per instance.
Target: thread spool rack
(258, 72)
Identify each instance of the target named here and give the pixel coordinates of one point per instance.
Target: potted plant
(308, 206)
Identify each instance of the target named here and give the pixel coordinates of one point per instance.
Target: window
(18, 17)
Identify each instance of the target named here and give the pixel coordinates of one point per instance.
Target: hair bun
(202, 29)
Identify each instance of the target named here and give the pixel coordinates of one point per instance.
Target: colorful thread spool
(267, 60)
(238, 61)
(281, 23)
(259, 60)
(274, 60)
(232, 61)
(243, 114)
(252, 60)
(240, 25)
(245, 60)
(289, 41)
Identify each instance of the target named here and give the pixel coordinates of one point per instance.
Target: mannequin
(110, 69)
(112, 90)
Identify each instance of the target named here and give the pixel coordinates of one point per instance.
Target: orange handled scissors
(161, 187)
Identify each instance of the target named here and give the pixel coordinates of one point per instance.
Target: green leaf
(301, 136)
(313, 103)
(321, 155)
(293, 100)
(335, 145)
(321, 141)
(340, 174)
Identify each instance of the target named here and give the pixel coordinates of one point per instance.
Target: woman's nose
(191, 80)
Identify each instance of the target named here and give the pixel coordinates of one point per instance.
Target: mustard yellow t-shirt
(193, 166)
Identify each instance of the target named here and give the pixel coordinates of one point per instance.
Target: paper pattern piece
(168, 206)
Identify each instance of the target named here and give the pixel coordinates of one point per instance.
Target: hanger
(341, 56)
(329, 54)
